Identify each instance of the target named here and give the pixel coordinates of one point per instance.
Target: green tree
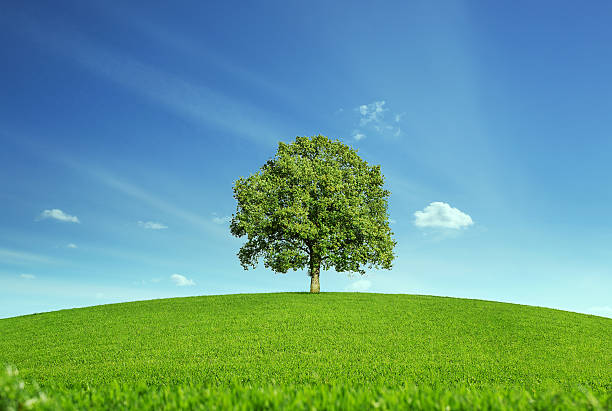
(315, 204)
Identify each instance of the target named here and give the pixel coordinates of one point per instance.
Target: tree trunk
(315, 268)
(315, 287)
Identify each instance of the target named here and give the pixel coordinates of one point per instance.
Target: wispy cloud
(27, 276)
(140, 194)
(7, 255)
(360, 285)
(373, 112)
(121, 185)
(358, 136)
(71, 294)
(221, 220)
(181, 280)
(152, 225)
(191, 47)
(372, 120)
(442, 215)
(57, 214)
(71, 245)
(184, 97)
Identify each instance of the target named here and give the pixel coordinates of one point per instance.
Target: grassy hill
(333, 350)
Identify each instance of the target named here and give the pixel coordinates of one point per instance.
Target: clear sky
(124, 126)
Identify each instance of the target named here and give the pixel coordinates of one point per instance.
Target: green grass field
(294, 350)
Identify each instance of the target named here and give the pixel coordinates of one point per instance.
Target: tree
(315, 204)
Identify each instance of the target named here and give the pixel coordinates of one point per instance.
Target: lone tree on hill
(315, 204)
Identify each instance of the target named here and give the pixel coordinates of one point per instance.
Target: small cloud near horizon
(603, 311)
(57, 214)
(181, 280)
(152, 225)
(360, 285)
(27, 276)
(442, 215)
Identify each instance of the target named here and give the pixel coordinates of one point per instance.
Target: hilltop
(374, 345)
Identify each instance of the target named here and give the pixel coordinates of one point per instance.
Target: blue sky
(123, 127)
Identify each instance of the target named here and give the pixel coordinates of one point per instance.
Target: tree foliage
(315, 204)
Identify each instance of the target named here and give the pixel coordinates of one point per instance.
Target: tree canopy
(315, 204)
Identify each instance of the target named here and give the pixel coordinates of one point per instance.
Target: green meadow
(307, 351)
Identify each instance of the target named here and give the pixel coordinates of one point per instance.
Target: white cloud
(27, 276)
(359, 136)
(181, 280)
(221, 220)
(360, 285)
(442, 215)
(372, 112)
(152, 225)
(372, 118)
(58, 214)
(71, 245)
(605, 311)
